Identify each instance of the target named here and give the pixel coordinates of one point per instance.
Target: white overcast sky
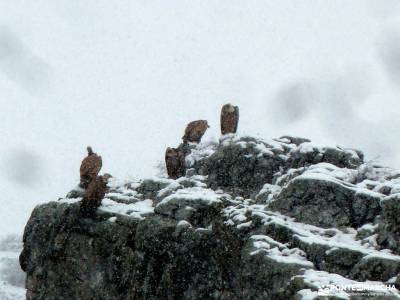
(126, 77)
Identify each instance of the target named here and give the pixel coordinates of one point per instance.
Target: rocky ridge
(252, 219)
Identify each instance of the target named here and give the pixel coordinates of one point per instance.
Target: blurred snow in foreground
(12, 278)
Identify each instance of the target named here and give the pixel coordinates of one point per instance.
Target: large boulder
(251, 219)
(307, 154)
(376, 267)
(267, 267)
(242, 165)
(320, 199)
(119, 257)
(389, 227)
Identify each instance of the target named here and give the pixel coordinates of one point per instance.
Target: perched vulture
(90, 167)
(94, 193)
(229, 118)
(194, 131)
(175, 161)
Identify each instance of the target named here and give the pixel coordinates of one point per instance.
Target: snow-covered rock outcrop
(252, 219)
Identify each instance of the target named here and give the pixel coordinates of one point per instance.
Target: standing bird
(90, 167)
(94, 193)
(194, 131)
(175, 162)
(229, 118)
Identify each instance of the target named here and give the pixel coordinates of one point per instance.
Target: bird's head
(89, 150)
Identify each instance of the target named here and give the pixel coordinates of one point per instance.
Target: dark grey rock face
(250, 220)
(70, 258)
(71, 252)
(242, 166)
(389, 228)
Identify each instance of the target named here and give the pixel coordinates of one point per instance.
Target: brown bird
(194, 131)
(90, 167)
(229, 118)
(175, 162)
(94, 193)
